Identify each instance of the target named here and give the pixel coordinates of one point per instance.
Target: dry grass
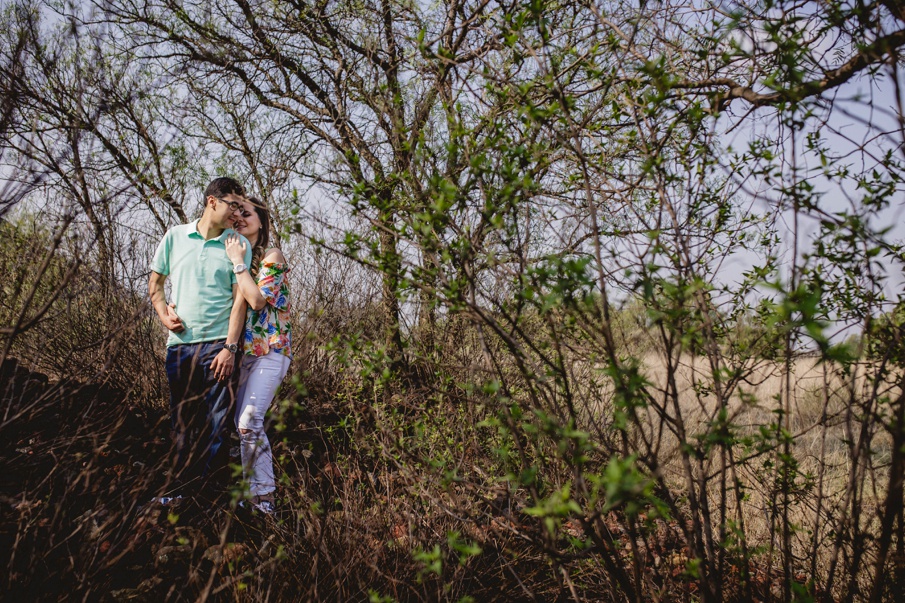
(822, 410)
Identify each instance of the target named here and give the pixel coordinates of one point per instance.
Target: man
(205, 320)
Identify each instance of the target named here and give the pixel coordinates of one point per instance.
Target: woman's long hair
(257, 252)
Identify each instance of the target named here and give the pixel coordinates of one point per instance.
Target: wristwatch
(238, 268)
(232, 347)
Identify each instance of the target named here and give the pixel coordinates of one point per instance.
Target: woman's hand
(235, 249)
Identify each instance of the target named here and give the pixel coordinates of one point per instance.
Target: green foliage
(885, 338)
(626, 488)
(554, 508)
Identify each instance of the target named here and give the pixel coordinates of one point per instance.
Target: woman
(267, 344)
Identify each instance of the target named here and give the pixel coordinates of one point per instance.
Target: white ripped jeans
(260, 379)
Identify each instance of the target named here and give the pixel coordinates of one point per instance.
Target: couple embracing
(229, 340)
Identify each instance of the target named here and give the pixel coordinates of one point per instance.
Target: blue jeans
(199, 408)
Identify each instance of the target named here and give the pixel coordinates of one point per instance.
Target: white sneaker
(265, 506)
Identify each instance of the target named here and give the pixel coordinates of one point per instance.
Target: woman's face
(248, 224)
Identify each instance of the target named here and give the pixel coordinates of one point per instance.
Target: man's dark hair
(220, 187)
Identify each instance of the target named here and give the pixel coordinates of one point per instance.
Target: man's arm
(159, 300)
(225, 361)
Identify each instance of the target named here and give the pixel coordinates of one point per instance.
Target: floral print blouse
(268, 328)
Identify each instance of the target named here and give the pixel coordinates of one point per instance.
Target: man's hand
(172, 320)
(166, 313)
(223, 364)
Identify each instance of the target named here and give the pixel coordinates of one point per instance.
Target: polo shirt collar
(193, 230)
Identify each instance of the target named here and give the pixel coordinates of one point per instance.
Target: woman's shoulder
(274, 255)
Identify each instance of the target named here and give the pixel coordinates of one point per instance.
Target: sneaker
(265, 506)
(261, 506)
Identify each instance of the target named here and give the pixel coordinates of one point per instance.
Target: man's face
(225, 209)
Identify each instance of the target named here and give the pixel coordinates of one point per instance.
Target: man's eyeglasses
(233, 205)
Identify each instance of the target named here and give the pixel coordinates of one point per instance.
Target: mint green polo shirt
(202, 281)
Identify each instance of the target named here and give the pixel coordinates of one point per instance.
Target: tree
(102, 129)
(346, 77)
